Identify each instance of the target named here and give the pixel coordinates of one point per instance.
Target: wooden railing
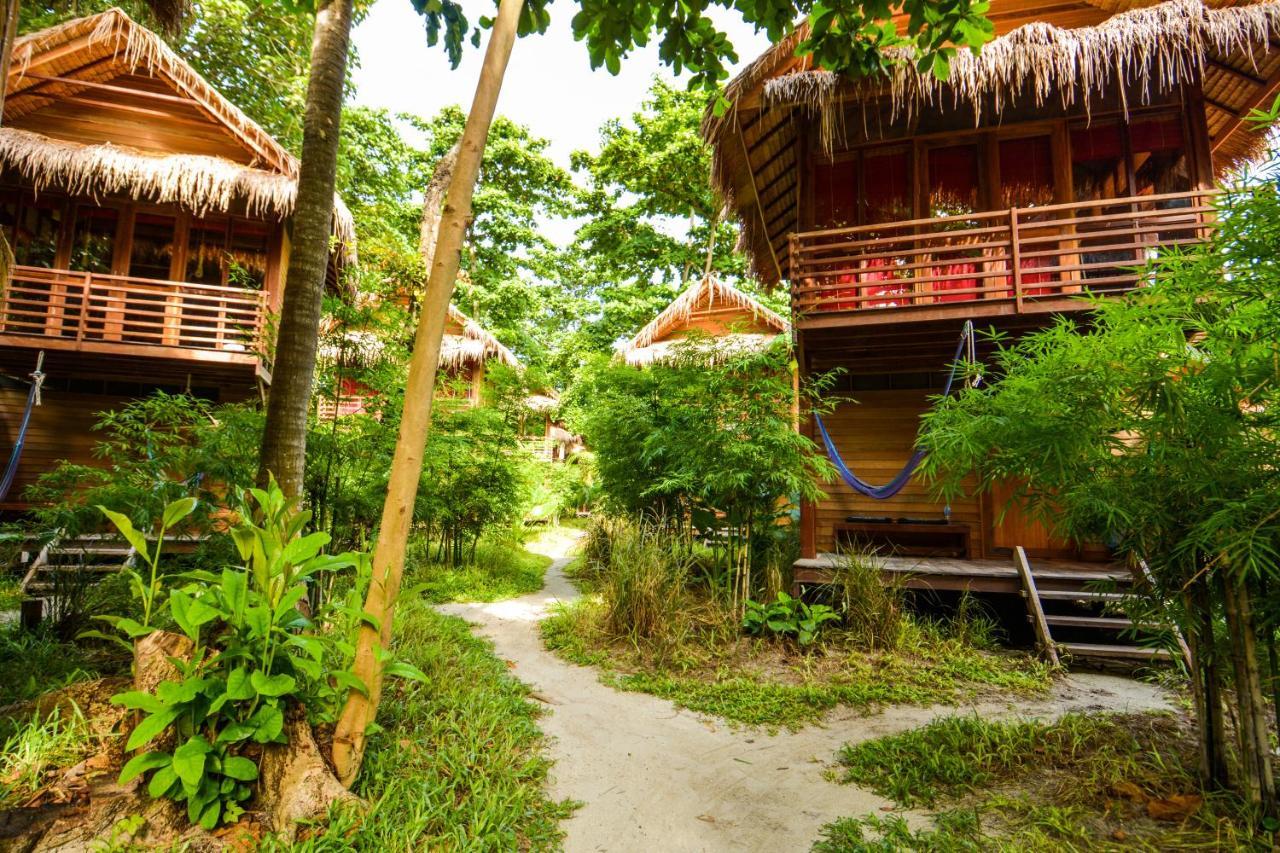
(112, 309)
(1017, 256)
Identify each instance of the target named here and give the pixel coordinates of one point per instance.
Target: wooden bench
(919, 539)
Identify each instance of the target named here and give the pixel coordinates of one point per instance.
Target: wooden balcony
(117, 315)
(1016, 261)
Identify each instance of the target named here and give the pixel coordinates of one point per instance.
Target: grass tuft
(456, 763)
(37, 746)
(502, 569)
(1080, 783)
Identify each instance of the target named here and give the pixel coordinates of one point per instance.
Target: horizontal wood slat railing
(1018, 255)
(82, 306)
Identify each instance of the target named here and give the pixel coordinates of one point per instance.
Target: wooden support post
(1043, 638)
(1015, 258)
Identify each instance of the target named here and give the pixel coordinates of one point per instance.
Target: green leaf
(941, 67)
(300, 550)
(160, 783)
(236, 732)
(127, 530)
(179, 603)
(239, 688)
(239, 767)
(268, 722)
(177, 510)
(138, 700)
(405, 670)
(235, 590)
(150, 727)
(189, 760)
(273, 685)
(140, 764)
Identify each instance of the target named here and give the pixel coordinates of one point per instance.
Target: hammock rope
(15, 455)
(965, 347)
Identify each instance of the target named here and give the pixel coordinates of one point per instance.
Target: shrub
(871, 604)
(788, 617)
(645, 584)
(254, 654)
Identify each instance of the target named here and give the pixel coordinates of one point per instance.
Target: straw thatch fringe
(720, 349)
(473, 346)
(197, 182)
(1147, 50)
(709, 290)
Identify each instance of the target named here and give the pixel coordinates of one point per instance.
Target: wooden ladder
(1043, 621)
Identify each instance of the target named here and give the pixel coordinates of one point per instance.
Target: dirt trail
(654, 777)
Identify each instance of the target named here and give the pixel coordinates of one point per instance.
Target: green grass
(457, 762)
(10, 593)
(771, 683)
(502, 569)
(33, 663)
(36, 746)
(1080, 783)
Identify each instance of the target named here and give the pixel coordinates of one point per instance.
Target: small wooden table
(916, 539)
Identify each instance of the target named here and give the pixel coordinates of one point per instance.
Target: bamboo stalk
(406, 466)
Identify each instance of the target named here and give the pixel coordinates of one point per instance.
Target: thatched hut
(149, 222)
(1086, 138)
(709, 307)
(466, 351)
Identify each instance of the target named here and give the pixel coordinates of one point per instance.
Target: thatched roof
(1129, 50)
(709, 297)
(467, 343)
(69, 60)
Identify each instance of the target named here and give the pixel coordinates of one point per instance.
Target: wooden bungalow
(149, 221)
(466, 351)
(1087, 136)
(708, 307)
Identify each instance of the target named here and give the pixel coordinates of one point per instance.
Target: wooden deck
(117, 315)
(988, 263)
(992, 576)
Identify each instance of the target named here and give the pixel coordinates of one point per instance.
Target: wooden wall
(716, 320)
(875, 437)
(61, 428)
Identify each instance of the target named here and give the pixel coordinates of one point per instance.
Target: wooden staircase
(1069, 603)
(90, 557)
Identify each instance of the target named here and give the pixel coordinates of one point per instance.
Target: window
(206, 248)
(1159, 156)
(247, 258)
(953, 180)
(835, 194)
(151, 255)
(34, 233)
(870, 187)
(1098, 167)
(1026, 171)
(93, 239)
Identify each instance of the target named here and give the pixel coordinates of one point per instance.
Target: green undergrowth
(710, 667)
(456, 763)
(502, 569)
(1108, 782)
(33, 663)
(37, 745)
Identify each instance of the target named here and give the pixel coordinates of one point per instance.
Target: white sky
(549, 86)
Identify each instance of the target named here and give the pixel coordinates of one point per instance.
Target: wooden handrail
(1018, 256)
(85, 306)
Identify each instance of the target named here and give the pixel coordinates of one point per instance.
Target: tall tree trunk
(406, 466)
(1253, 735)
(8, 32)
(284, 438)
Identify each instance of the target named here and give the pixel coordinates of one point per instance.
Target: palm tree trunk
(284, 438)
(406, 466)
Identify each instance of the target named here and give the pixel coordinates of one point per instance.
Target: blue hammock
(895, 485)
(15, 455)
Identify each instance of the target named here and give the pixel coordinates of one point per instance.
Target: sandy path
(653, 777)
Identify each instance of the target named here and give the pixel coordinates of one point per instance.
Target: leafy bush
(707, 438)
(254, 654)
(788, 617)
(471, 481)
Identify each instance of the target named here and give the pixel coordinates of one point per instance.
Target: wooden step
(1110, 623)
(1080, 595)
(1094, 650)
(99, 568)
